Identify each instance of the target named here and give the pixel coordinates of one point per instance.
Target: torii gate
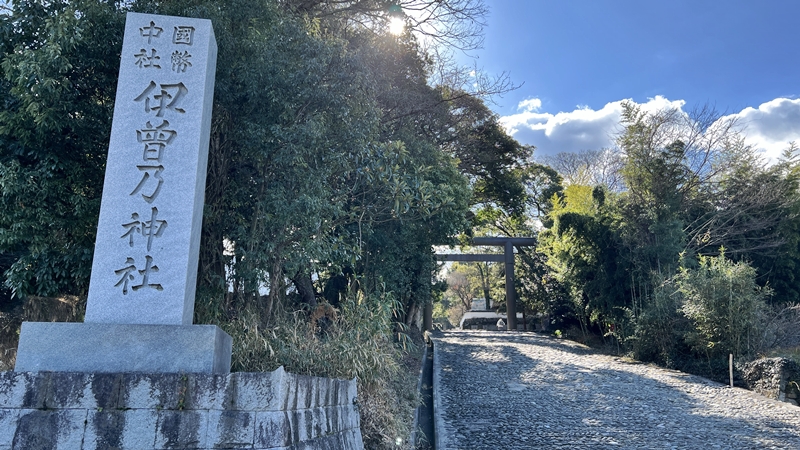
(508, 257)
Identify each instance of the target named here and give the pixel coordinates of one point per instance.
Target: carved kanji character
(151, 31)
(145, 273)
(183, 35)
(150, 229)
(155, 139)
(132, 227)
(156, 173)
(126, 275)
(153, 228)
(180, 61)
(164, 97)
(144, 60)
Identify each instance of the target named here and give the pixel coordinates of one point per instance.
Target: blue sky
(577, 59)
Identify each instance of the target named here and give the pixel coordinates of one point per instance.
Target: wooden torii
(508, 257)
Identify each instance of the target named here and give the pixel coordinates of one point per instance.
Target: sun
(397, 25)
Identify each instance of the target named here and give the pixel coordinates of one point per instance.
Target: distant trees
(589, 167)
(644, 262)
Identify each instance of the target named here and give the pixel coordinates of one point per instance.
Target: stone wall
(777, 378)
(275, 410)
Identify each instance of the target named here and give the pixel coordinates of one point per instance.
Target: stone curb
(415, 425)
(440, 439)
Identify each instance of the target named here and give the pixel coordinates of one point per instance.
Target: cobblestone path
(498, 390)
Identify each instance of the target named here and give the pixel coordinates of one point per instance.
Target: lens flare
(397, 25)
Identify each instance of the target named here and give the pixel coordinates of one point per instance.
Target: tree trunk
(305, 287)
(412, 314)
(485, 286)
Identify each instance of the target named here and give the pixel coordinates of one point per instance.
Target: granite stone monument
(142, 288)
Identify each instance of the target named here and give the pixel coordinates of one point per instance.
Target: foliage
(660, 328)
(334, 164)
(725, 306)
(707, 312)
(628, 258)
(355, 341)
(582, 250)
(58, 69)
(590, 167)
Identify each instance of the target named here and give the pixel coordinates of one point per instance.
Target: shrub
(725, 305)
(358, 340)
(660, 328)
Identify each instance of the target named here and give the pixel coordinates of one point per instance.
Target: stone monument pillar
(141, 293)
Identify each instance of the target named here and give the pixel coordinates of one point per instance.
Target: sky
(577, 60)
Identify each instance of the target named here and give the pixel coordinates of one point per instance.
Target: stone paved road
(499, 390)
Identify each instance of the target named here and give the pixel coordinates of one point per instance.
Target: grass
(792, 353)
(358, 340)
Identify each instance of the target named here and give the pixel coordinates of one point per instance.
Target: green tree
(659, 186)
(752, 210)
(725, 305)
(58, 70)
(582, 249)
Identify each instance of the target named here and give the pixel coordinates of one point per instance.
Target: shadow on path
(520, 390)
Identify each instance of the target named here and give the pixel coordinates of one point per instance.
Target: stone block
(153, 391)
(273, 429)
(354, 440)
(84, 390)
(303, 391)
(209, 391)
(319, 426)
(23, 389)
(331, 419)
(305, 424)
(121, 429)
(346, 415)
(181, 429)
(148, 234)
(93, 347)
(352, 392)
(8, 425)
(289, 392)
(343, 393)
(315, 392)
(231, 429)
(323, 392)
(259, 391)
(52, 429)
(330, 442)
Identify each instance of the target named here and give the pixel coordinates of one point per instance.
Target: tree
(745, 205)
(589, 167)
(456, 23)
(582, 249)
(58, 69)
(475, 280)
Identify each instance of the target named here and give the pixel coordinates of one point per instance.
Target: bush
(660, 328)
(357, 340)
(693, 320)
(726, 307)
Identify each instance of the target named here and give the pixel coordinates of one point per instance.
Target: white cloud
(530, 105)
(581, 129)
(769, 128)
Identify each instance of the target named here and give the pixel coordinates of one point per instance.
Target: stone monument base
(167, 411)
(108, 347)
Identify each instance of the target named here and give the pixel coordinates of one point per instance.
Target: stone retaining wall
(777, 378)
(274, 410)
